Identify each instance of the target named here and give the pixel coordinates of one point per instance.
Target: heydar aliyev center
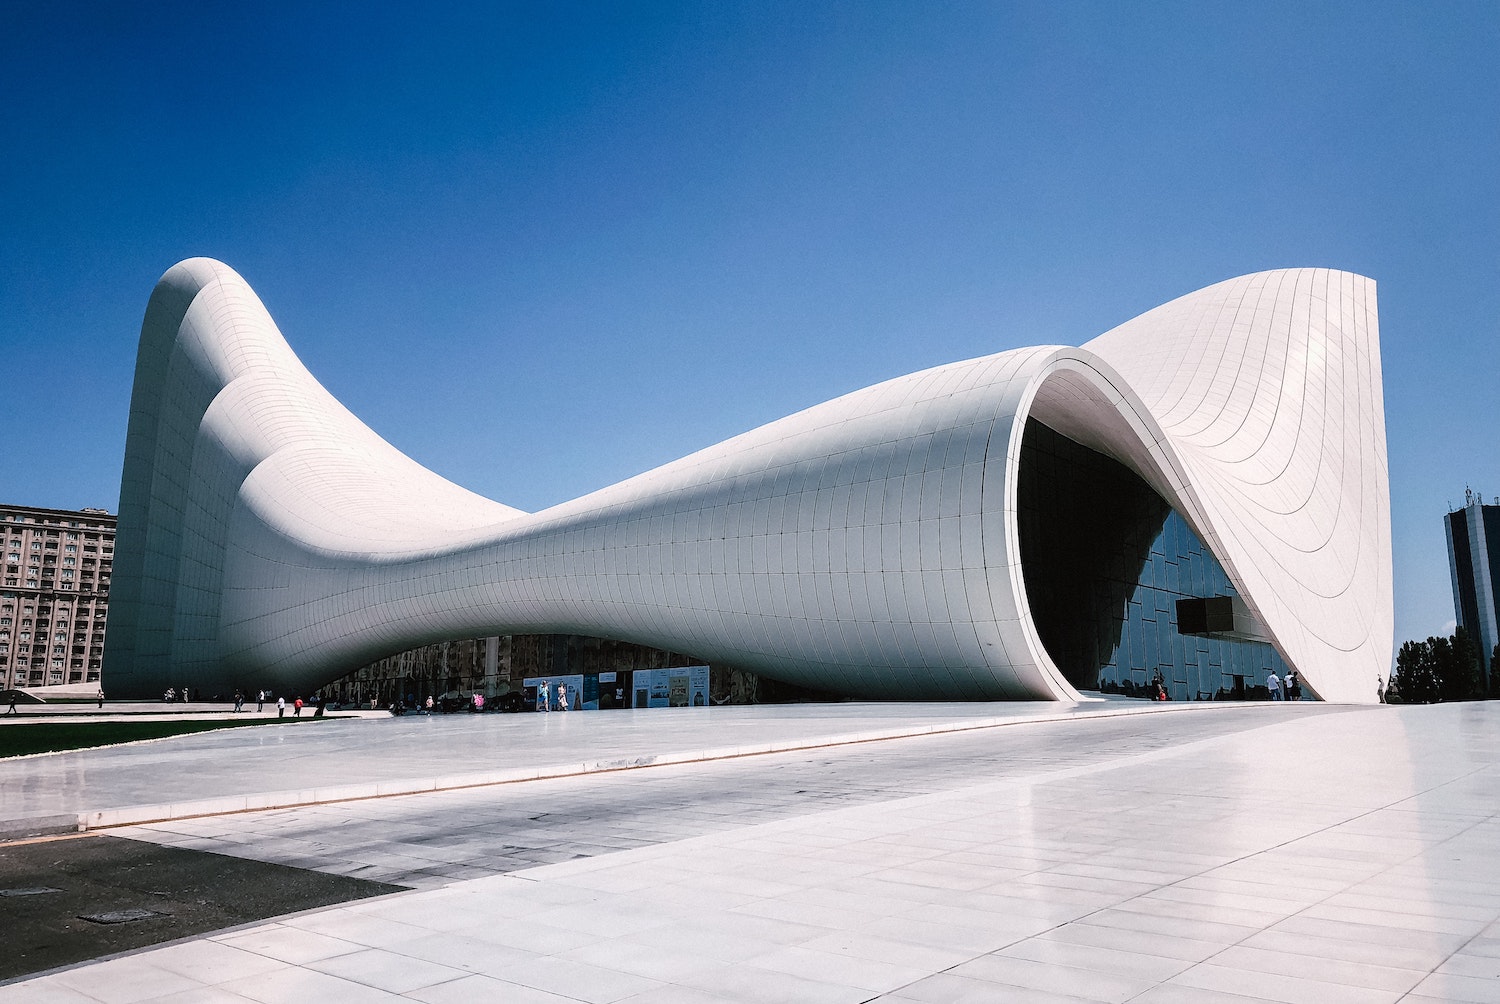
(1199, 493)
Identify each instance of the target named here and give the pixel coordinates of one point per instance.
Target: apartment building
(54, 595)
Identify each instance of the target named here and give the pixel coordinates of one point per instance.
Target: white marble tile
(761, 916)
(386, 970)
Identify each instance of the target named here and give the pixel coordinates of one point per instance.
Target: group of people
(544, 697)
(262, 696)
(430, 704)
(1289, 689)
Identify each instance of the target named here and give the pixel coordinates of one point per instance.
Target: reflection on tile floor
(434, 838)
(1335, 857)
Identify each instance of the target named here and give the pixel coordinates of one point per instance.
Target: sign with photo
(681, 687)
(574, 684)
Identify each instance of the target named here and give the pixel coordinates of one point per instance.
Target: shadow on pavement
(140, 894)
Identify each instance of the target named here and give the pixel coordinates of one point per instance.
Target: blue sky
(542, 247)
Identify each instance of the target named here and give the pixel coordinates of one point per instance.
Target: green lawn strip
(53, 737)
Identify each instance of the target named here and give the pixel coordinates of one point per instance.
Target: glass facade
(1105, 560)
(1474, 557)
(1467, 597)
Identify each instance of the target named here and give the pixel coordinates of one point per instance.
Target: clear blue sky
(543, 247)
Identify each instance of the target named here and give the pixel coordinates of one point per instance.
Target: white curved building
(933, 536)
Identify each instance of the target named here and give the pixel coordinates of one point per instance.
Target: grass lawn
(51, 737)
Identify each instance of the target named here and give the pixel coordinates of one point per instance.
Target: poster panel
(575, 690)
(681, 687)
(661, 689)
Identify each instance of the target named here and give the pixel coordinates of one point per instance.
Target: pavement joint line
(104, 819)
(45, 838)
(540, 872)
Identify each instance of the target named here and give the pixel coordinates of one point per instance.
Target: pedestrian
(543, 698)
(429, 704)
(12, 703)
(1293, 686)
(297, 708)
(1379, 693)
(1273, 684)
(562, 697)
(260, 700)
(281, 707)
(320, 703)
(239, 701)
(101, 698)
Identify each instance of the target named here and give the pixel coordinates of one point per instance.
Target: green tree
(1458, 667)
(1438, 669)
(1414, 680)
(1440, 658)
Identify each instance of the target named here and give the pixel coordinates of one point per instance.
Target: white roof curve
(867, 545)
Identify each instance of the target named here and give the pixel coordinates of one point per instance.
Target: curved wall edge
(866, 546)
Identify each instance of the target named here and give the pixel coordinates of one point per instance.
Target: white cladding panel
(865, 546)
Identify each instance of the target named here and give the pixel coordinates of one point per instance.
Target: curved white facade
(866, 546)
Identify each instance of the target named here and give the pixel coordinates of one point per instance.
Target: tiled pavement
(433, 838)
(311, 762)
(1320, 857)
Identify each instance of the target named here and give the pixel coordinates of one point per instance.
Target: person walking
(1273, 684)
(543, 698)
(101, 698)
(297, 708)
(12, 703)
(562, 697)
(260, 700)
(239, 701)
(281, 707)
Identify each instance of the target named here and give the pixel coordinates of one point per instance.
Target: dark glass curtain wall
(1105, 559)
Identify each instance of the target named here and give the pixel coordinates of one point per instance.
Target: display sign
(681, 687)
(574, 684)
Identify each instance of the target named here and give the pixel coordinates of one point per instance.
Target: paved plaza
(377, 755)
(1108, 852)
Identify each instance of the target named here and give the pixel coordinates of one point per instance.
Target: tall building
(55, 595)
(1474, 559)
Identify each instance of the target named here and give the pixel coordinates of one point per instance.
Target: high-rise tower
(1474, 558)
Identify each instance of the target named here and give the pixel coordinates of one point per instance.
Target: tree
(1458, 667)
(1414, 681)
(1438, 669)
